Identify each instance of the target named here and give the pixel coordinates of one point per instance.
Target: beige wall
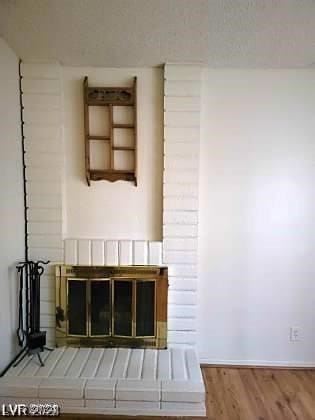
(114, 210)
(257, 225)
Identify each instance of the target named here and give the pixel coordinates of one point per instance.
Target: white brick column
(43, 132)
(180, 197)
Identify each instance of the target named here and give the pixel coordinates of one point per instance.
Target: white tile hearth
(111, 381)
(137, 390)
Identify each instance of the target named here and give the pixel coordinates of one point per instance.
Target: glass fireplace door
(134, 308)
(89, 307)
(122, 308)
(145, 308)
(109, 307)
(100, 307)
(77, 307)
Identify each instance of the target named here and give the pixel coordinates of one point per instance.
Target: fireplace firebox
(114, 306)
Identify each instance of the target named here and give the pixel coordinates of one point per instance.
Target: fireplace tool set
(30, 337)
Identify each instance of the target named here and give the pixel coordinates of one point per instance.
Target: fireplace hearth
(111, 306)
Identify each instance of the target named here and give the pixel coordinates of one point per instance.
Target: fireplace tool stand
(30, 337)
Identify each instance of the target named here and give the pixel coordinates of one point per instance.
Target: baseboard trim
(256, 364)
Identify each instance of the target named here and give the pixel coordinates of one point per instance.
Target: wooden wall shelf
(118, 159)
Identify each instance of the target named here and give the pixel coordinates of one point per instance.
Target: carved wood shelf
(119, 159)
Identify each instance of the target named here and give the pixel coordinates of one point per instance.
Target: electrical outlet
(295, 334)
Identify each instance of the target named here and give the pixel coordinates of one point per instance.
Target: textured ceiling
(114, 33)
(262, 33)
(109, 33)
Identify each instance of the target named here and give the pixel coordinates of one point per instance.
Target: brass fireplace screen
(111, 306)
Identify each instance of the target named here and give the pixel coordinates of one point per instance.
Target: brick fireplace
(114, 380)
(45, 168)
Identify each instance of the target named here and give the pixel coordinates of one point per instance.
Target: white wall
(257, 224)
(115, 210)
(11, 202)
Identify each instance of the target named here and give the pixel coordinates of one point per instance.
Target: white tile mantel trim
(112, 252)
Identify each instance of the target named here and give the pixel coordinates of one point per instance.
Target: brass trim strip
(108, 271)
(88, 307)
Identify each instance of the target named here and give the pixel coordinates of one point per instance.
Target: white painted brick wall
(44, 215)
(180, 176)
(182, 72)
(41, 86)
(48, 241)
(43, 129)
(180, 257)
(180, 203)
(180, 190)
(181, 134)
(176, 118)
(180, 162)
(176, 103)
(182, 283)
(180, 217)
(180, 148)
(184, 269)
(181, 88)
(180, 244)
(41, 102)
(177, 310)
(180, 231)
(180, 197)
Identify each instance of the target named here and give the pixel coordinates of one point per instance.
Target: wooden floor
(260, 394)
(253, 394)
